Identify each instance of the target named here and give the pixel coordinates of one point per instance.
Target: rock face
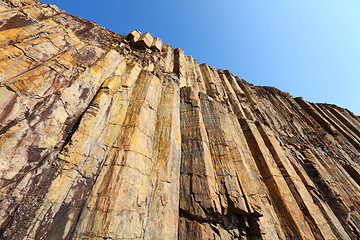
(104, 136)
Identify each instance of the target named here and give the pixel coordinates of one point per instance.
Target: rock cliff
(104, 136)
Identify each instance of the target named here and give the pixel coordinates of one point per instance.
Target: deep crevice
(354, 174)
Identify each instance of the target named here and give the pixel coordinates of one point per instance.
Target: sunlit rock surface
(104, 136)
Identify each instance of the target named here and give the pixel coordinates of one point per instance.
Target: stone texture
(145, 40)
(133, 36)
(104, 136)
(157, 44)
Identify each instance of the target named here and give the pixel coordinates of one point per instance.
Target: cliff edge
(104, 136)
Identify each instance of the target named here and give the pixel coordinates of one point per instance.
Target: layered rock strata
(104, 136)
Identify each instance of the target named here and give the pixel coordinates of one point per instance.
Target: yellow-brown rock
(145, 40)
(104, 136)
(157, 44)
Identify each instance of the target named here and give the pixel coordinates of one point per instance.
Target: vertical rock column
(83, 156)
(180, 66)
(218, 194)
(46, 127)
(198, 188)
(317, 222)
(136, 192)
(117, 205)
(285, 204)
(211, 88)
(167, 55)
(163, 193)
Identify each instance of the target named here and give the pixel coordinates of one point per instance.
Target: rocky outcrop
(104, 136)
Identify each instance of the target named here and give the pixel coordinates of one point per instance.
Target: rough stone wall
(104, 136)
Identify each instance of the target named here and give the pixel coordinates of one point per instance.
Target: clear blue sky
(309, 48)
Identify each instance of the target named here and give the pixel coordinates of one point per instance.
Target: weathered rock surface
(104, 136)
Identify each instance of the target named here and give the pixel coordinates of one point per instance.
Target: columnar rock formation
(104, 136)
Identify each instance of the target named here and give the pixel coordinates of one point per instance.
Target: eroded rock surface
(104, 136)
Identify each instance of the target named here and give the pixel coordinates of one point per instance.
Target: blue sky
(305, 47)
